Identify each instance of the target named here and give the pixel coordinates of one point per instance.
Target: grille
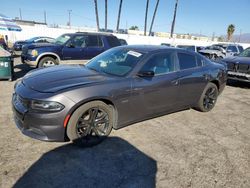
(243, 68)
(230, 66)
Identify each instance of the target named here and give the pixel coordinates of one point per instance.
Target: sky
(193, 16)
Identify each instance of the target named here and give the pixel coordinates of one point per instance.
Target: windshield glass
(245, 53)
(116, 62)
(62, 39)
(191, 48)
(32, 39)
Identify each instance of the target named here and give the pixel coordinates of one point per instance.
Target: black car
(19, 44)
(239, 66)
(121, 86)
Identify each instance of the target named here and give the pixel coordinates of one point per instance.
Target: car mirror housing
(146, 74)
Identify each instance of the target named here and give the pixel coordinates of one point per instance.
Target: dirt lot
(184, 149)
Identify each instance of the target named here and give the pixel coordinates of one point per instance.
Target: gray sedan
(119, 87)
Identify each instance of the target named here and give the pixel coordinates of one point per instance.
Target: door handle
(175, 82)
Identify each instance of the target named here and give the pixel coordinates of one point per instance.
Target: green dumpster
(6, 65)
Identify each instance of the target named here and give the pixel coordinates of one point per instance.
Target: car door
(193, 76)
(158, 93)
(94, 46)
(74, 49)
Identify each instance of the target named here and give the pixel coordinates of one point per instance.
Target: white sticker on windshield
(133, 53)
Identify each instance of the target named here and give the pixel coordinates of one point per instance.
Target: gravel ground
(184, 149)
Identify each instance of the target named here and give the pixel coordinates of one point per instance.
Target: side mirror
(146, 74)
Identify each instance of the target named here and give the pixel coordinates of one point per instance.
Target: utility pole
(173, 23)
(119, 15)
(96, 16)
(153, 19)
(106, 15)
(45, 17)
(20, 13)
(146, 18)
(69, 18)
(240, 35)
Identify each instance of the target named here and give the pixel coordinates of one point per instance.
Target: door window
(160, 63)
(94, 41)
(79, 41)
(186, 61)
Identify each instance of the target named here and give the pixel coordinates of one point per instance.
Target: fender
(48, 53)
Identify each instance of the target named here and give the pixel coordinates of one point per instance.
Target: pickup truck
(74, 48)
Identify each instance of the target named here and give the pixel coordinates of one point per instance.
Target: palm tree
(173, 23)
(96, 15)
(230, 31)
(106, 14)
(119, 15)
(153, 19)
(146, 18)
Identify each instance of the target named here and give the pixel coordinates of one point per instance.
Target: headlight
(50, 106)
(34, 53)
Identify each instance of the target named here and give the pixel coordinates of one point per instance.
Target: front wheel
(208, 98)
(90, 124)
(47, 62)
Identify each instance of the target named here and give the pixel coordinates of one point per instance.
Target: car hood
(41, 45)
(57, 78)
(238, 59)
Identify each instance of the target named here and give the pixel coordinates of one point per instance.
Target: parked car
(123, 42)
(239, 66)
(220, 51)
(165, 44)
(19, 44)
(68, 48)
(191, 47)
(121, 86)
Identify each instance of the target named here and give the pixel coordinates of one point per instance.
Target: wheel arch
(217, 83)
(79, 104)
(48, 54)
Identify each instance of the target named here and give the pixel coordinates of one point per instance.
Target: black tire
(208, 98)
(47, 62)
(85, 129)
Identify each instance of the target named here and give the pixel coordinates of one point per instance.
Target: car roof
(146, 48)
(89, 33)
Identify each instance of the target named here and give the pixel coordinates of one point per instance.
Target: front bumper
(41, 126)
(243, 77)
(30, 60)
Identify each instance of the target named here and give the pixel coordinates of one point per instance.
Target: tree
(106, 14)
(134, 27)
(119, 15)
(153, 19)
(230, 31)
(173, 23)
(96, 15)
(146, 18)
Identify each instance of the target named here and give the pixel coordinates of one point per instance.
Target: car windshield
(245, 53)
(116, 61)
(62, 39)
(32, 39)
(190, 48)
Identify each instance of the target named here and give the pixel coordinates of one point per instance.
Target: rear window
(232, 48)
(186, 61)
(113, 41)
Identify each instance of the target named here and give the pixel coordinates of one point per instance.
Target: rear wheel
(90, 124)
(47, 62)
(208, 98)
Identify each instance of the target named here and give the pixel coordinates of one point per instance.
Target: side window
(94, 41)
(160, 63)
(240, 49)
(79, 41)
(186, 61)
(201, 61)
(232, 48)
(113, 41)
